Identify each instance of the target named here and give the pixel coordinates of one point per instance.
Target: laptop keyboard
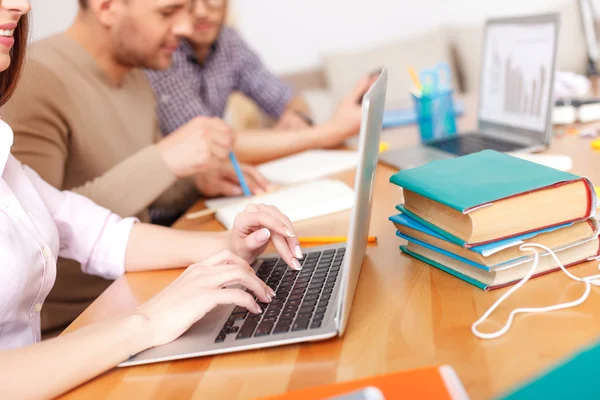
(300, 301)
(472, 143)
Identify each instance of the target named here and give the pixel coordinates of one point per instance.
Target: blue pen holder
(435, 115)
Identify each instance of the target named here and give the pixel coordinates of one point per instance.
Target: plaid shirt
(189, 89)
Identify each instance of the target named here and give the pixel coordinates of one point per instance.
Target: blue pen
(238, 172)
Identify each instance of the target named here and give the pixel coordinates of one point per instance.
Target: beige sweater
(82, 132)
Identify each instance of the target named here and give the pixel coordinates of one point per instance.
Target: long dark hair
(10, 77)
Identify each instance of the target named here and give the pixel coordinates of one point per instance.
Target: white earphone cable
(588, 281)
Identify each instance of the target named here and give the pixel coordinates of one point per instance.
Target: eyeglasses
(214, 4)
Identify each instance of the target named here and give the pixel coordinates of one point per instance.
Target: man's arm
(295, 116)
(39, 116)
(258, 146)
(262, 145)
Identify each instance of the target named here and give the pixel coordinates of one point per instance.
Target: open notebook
(299, 202)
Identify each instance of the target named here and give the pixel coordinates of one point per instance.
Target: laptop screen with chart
(517, 74)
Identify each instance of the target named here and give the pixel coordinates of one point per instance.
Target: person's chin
(161, 63)
(4, 61)
(204, 38)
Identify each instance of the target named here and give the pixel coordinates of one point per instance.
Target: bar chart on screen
(516, 79)
(522, 96)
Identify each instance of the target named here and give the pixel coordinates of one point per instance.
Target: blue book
(484, 249)
(501, 254)
(484, 279)
(507, 265)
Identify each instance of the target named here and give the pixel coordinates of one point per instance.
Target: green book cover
(469, 181)
(573, 378)
(450, 271)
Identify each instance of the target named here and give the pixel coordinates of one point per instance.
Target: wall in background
(293, 35)
(51, 16)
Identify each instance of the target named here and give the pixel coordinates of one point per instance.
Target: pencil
(330, 239)
(201, 213)
(415, 78)
(240, 175)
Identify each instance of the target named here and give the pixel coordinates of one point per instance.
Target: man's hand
(201, 144)
(223, 181)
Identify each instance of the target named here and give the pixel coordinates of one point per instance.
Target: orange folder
(439, 382)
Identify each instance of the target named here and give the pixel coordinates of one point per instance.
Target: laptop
(515, 99)
(311, 304)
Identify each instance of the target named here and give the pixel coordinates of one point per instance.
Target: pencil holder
(435, 115)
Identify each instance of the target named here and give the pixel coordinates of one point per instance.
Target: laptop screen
(517, 73)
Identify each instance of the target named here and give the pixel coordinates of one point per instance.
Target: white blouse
(38, 223)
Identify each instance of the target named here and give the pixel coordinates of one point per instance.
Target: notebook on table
(299, 202)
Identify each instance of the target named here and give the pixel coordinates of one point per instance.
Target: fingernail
(272, 292)
(264, 234)
(258, 309)
(289, 233)
(298, 252)
(296, 265)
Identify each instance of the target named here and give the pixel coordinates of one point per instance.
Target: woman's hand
(198, 291)
(256, 226)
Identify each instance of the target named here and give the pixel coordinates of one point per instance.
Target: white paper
(308, 166)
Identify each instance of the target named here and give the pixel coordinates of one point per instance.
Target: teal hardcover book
(466, 182)
(473, 184)
(573, 379)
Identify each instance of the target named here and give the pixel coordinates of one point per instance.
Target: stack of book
(468, 216)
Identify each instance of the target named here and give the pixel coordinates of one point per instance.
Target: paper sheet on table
(308, 166)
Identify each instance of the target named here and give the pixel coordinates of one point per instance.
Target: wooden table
(405, 315)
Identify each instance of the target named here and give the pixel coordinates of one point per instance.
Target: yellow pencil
(330, 239)
(415, 78)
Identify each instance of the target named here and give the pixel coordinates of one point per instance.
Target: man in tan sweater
(84, 119)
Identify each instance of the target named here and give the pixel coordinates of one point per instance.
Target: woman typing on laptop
(38, 223)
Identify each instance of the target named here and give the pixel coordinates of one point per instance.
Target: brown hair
(10, 77)
(83, 3)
